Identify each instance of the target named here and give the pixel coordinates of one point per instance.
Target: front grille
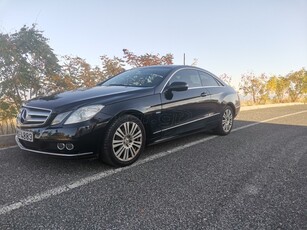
(32, 116)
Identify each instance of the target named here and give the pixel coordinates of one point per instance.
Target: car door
(216, 91)
(184, 111)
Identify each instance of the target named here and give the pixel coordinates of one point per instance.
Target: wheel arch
(138, 115)
(232, 106)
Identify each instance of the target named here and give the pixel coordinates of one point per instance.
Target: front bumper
(85, 139)
(52, 153)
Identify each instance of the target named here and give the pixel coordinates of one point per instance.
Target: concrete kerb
(7, 140)
(254, 107)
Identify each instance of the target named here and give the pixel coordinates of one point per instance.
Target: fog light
(60, 146)
(69, 146)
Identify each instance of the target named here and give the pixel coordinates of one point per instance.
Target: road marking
(84, 181)
(267, 120)
(11, 147)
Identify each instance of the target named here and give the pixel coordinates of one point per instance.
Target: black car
(117, 118)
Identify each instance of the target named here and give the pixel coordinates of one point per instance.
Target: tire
(226, 122)
(124, 141)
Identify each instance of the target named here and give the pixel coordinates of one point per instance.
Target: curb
(7, 140)
(254, 107)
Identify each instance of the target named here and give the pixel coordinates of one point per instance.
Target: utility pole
(183, 58)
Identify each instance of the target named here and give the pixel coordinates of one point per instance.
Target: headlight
(83, 114)
(59, 118)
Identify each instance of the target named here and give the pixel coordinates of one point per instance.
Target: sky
(225, 36)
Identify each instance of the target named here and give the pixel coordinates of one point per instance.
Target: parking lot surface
(254, 178)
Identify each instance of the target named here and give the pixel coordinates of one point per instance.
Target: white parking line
(84, 181)
(10, 147)
(267, 120)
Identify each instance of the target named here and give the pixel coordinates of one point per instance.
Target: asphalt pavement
(254, 178)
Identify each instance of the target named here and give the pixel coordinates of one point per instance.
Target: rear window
(208, 80)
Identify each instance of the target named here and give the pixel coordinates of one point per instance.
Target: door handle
(204, 94)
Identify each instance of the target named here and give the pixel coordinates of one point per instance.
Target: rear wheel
(226, 122)
(124, 141)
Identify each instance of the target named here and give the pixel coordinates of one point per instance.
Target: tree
(97, 74)
(226, 78)
(298, 84)
(147, 59)
(255, 87)
(111, 66)
(278, 87)
(7, 112)
(26, 63)
(60, 82)
(76, 73)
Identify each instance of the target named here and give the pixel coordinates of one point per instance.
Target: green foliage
(7, 110)
(292, 87)
(26, 63)
(255, 87)
(298, 84)
(278, 87)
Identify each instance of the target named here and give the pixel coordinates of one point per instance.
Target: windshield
(143, 77)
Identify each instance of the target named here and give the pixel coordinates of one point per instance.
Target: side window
(207, 80)
(191, 77)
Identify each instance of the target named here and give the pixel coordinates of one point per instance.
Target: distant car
(117, 118)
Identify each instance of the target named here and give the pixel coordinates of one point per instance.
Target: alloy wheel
(127, 141)
(227, 120)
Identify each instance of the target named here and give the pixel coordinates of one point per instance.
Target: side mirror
(178, 86)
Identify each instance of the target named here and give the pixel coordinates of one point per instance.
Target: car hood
(99, 94)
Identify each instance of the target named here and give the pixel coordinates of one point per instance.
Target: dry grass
(7, 127)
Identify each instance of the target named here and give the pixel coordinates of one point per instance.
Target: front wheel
(226, 122)
(124, 141)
